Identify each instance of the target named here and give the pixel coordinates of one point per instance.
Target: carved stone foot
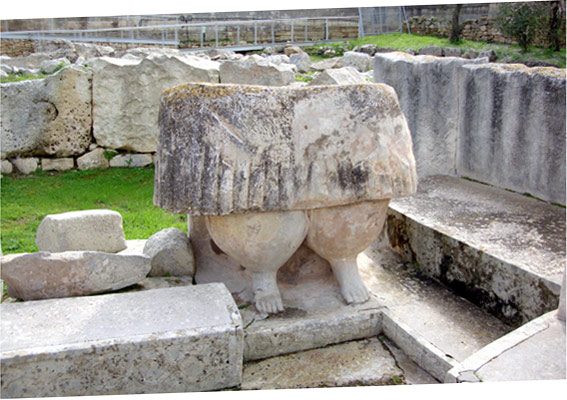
(352, 287)
(339, 234)
(267, 297)
(261, 243)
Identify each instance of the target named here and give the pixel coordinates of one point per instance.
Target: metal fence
(382, 20)
(210, 34)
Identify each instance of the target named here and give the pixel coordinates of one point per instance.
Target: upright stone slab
(96, 230)
(228, 149)
(428, 89)
(512, 128)
(158, 341)
(256, 70)
(126, 96)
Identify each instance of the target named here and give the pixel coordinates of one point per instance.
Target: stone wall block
(93, 159)
(256, 71)
(95, 230)
(512, 128)
(338, 76)
(428, 90)
(26, 165)
(57, 164)
(50, 116)
(126, 96)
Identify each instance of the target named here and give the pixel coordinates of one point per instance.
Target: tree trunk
(455, 27)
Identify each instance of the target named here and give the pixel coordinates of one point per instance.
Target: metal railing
(205, 34)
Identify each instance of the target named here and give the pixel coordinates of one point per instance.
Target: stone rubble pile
(85, 252)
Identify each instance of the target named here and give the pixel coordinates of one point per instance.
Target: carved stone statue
(261, 170)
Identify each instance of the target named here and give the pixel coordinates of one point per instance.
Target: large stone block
(428, 91)
(126, 96)
(43, 275)
(236, 148)
(338, 76)
(95, 230)
(512, 128)
(50, 116)
(171, 253)
(164, 340)
(255, 70)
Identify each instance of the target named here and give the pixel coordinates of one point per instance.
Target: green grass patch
(505, 52)
(27, 199)
(21, 77)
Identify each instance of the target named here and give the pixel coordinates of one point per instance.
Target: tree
(455, 27)
(519, 21)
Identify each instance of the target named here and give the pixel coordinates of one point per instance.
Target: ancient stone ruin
(270, 167)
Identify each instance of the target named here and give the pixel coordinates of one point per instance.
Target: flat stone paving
(357, 363)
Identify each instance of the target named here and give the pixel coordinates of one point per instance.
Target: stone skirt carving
(231, 149)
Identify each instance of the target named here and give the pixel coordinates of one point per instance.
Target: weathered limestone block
(7, 167)
(157, 341)
(50, 116)
(95, 230)
(362, 62)
(57, 164)
(254, 70)
(428, 88)
(43, 275)
(93, 159)
(338, 76)
(126, 96)
(131, 160)
(301, 61)
(171, 253)
(328, 63)
(26, 165)
(512, 128)
(431, 51)
(245, 148)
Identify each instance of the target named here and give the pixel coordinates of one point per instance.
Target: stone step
(366, 362)
(428, 322)
(501, 250)
(536, 350)
(179, 339)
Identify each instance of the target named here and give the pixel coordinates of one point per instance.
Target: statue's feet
(267, 297)
(352, 288)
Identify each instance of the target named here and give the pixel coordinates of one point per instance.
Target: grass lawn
(505, 52)
(27, 199)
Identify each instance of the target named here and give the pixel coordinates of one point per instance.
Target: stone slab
(228, 149)
(535, 351)
(501, 250)
(357, 363)
(157, 341)
(44, 275)
(512, 128)
(428, 88)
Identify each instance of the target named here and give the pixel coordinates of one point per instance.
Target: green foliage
(21, 77)
(27, 199)
(109, 154)
(308, 77)
(520, 21)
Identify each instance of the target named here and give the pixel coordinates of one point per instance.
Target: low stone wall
(16, 47)
(500, 124)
